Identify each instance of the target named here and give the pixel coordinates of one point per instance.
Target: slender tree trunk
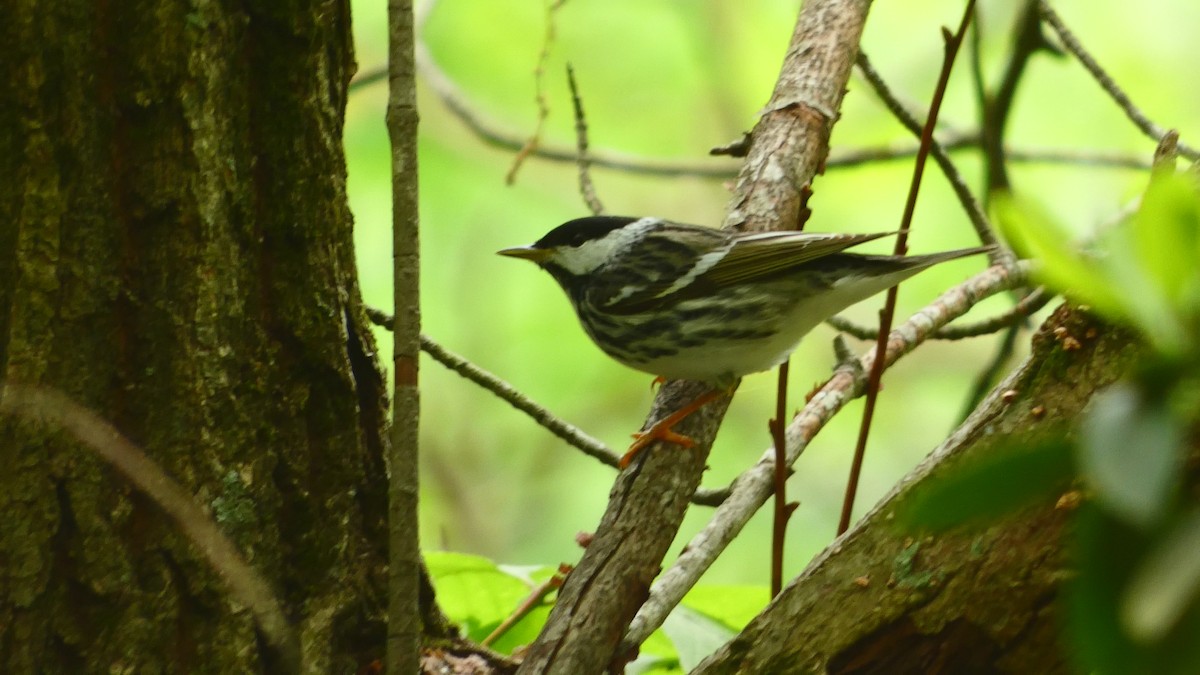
(176, 255)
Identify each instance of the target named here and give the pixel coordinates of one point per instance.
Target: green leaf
(1167, 235)
(1130, 453)
(473, 591)
(657, 656)
(694, 635)
(979, 490)
(1035, 234)
(1165, 585)
(1147, 306)
(523, 632)
(1166, 231)
(732, 605)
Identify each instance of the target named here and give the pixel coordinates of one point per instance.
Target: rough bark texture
(176, 254)
(648, 501)
(878, 601)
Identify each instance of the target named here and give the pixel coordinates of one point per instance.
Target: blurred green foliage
(1133, 602)
(670, 79)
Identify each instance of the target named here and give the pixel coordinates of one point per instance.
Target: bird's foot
(662, 429)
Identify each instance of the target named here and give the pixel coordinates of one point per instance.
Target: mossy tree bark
(176, 254)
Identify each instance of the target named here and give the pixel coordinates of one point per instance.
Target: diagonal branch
(1114, 91)
(1019, 312)
(568, 432)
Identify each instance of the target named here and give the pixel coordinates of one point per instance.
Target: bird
(688, 302)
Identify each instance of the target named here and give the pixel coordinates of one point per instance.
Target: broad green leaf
(1165, 585)
(473, 591)
(1147, 305)
(1007, 478)
(523, 632)
(1035, 234)
(694, 635)
(733, 606)
(1130, 452)
(1167, 235)
(657, 656)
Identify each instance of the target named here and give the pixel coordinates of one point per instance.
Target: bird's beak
(530, 253)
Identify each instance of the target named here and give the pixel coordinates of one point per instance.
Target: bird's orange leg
(661, 430)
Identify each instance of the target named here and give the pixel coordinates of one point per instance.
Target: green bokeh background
(668, 79)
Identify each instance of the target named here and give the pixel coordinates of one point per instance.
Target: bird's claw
(658, 432)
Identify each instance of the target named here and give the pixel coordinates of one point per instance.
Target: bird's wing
(739, 259)
(760, 255)
(665, 262)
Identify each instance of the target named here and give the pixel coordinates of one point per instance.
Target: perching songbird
(688, 302)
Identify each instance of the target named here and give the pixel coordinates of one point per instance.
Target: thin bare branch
(537, 596)
(1018, 313)
(556, 425)
(1114, 91)
(490, 133)
(952, 44)
(997, 107)
(568, 432)
(543, 105)
(783, 511)
(754, 486)
(586, 187)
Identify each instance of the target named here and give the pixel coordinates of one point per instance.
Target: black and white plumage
(688, 302)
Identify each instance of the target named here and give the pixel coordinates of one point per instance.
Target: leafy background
(669, 79)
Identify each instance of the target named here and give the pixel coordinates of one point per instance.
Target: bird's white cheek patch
(591, 255)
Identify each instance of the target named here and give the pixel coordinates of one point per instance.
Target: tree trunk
(176, 255)
(880, 600)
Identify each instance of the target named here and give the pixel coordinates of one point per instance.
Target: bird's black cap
(580, 230)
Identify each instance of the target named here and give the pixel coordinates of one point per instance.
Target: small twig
(543, 106)
(1135, 115)
(978, 81)
(1025, 306)
(952, 44)
(568, 432)
(586, 187)
(754, 486)
(783, 510)
(245, 584)
(556, 425)
(997, 107)
(535, 598)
